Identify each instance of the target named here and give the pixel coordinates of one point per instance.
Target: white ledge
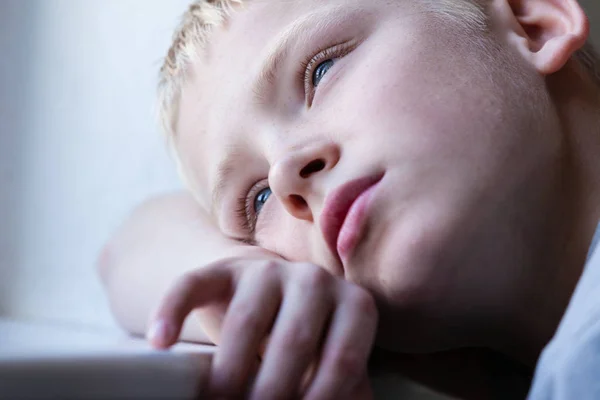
(42, 361)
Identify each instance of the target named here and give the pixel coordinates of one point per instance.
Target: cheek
(441, 108)
(283, 234)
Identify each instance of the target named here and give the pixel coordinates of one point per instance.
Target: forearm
(163, 238)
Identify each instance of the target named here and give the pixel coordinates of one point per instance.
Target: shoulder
(570, 372)
(570, 364)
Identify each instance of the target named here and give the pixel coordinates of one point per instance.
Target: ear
(547, 32)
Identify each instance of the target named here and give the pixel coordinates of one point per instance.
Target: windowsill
(48, 361)
(39, 361)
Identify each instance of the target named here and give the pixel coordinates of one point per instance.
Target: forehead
(215, 97)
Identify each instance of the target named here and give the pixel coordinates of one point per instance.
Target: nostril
(312, 167)
(298, 202)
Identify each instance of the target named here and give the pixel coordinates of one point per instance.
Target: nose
(292, 177)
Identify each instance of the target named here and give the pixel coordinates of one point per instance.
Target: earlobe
(550, 31)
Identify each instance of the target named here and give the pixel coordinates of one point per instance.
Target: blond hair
(203, 16)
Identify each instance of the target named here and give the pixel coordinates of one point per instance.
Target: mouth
(344, 211)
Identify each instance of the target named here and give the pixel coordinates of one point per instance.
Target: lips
(338, 205)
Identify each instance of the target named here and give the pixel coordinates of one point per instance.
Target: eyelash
(245, 209)
(308, 65)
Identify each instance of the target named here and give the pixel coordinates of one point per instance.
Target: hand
(312, 318)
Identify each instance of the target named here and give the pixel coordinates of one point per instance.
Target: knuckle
(348, 364)
(362, 301)
(182, 289)
(271, 264)
(245, 318)
(268, 268)
(296, 339)
(313, 278)
(229, 263)
(186, 282)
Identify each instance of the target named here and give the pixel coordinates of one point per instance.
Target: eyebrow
(301, 30)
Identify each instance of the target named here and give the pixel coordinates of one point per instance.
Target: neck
(575, 215)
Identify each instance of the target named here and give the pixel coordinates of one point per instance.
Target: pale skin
(477, 232)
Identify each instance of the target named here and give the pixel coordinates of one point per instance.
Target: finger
(347, 347)
(309, 375)
(247, 322)
(307, 304)
(194, 290)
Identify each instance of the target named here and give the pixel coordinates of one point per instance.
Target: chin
(408, 271)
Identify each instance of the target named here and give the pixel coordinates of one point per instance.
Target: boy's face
(449, 134)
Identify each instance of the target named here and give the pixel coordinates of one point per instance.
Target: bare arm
(320, 328)
(163, 239)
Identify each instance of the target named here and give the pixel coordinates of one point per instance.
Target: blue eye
(321, 70)
(261, 198)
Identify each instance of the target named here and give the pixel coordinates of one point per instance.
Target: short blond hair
(203, 16)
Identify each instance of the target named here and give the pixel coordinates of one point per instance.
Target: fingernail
(160, 333)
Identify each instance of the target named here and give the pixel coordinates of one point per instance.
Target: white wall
(78, 143)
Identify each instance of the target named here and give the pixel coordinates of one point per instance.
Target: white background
(79, 146)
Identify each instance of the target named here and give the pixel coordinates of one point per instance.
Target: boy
(423, 175)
